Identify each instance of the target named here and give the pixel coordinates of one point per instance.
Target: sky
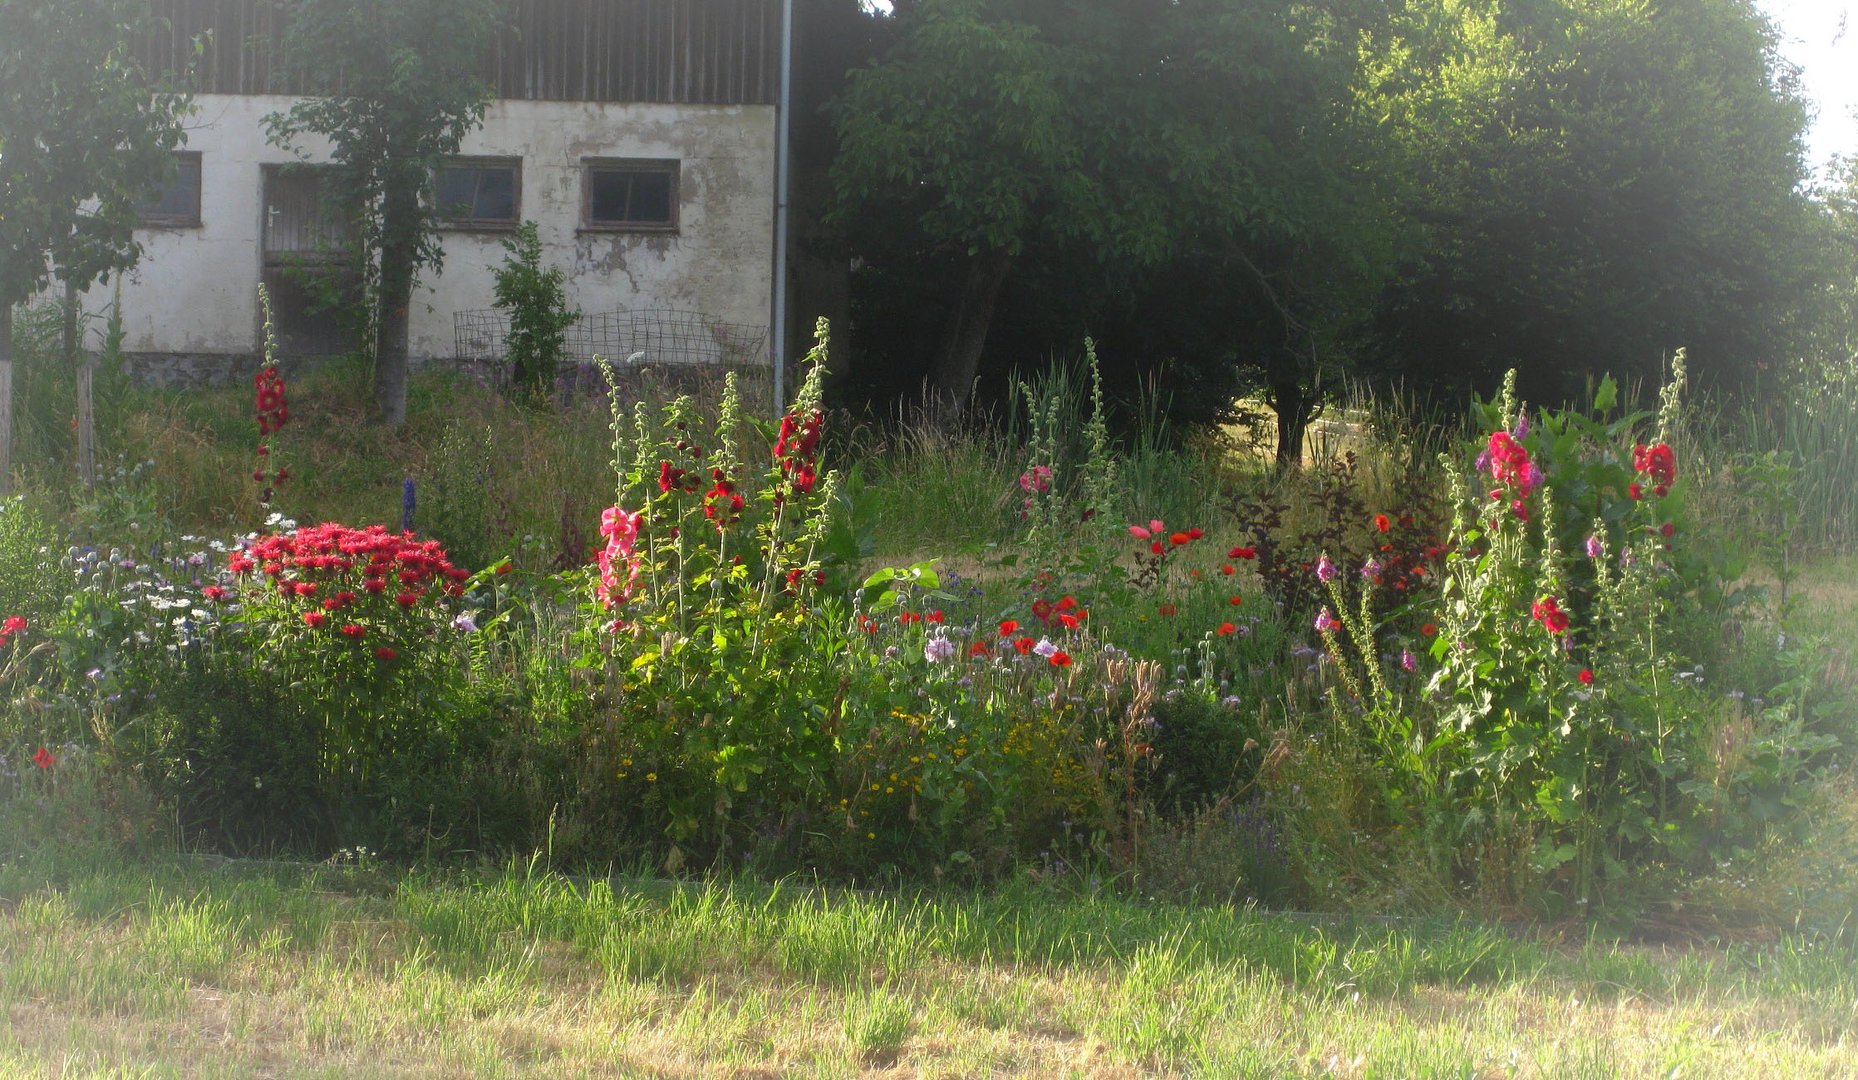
(1814, 36)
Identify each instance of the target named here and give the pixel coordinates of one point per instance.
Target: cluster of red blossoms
(1509, 464)
(273, 413)
(723, 503)
(671, 478)
(1657, 462)
(312, 565)
(1064, 614)
(14, 624)
(1547, 611)
(797, 450)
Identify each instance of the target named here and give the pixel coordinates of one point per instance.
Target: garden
(1125, 730)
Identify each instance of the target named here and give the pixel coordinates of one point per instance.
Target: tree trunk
(398, 224)
(6, 398)
(391, 341)
(86, 413)
(1295, 407)
(953, 378)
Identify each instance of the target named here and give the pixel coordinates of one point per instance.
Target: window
(479, 193)
(176, 206)
(630, 194)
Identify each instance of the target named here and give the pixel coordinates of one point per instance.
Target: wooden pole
(86, 421)
(6, 399)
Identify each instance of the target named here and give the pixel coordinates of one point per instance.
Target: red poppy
(1067, 603)
(1169, 609)
(979, 648)
(1195, 533)
(1242, 553)
(1228, 570)
(1381, 523)
(1178, 539)
(1024, 645)
(1068, 621)
(1227, 628)
(908, 617)
(1235, 601)
(1586, 676)
(1428, 629)
(935, 616)
(1007, 626)
(44, 759)
(1061, 659)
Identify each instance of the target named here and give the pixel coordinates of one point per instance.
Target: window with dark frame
(630, 194)
(479, 193)
(177, 205)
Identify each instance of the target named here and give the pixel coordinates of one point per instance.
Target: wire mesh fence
(644, 336)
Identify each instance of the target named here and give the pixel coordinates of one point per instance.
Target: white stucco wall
(195, 290)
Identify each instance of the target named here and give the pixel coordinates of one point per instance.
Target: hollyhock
(1326, 622)
(1325, 569)
(1586, 676)
(1547, 611)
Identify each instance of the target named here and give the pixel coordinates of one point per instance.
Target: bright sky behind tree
(1815, 36)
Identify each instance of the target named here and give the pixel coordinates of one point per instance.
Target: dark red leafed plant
(273, 413)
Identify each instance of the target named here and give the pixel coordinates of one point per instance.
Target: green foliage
(83, 138)
(1592, 186)
(539, 315)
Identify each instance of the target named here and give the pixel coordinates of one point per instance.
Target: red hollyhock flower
(354, 630)
(1668, 530)
(1586, 676)
(1634, 491)
(385, 654)
(44, 759)
(1547, 611)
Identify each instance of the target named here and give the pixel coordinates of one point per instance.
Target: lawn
(184, 967)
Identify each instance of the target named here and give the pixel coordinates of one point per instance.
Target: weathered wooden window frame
(509, 224)
(671, 167)
(149, 219)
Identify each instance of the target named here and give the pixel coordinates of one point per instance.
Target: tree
(1595, 185)
(394, 90)
(84, 137)
(1096, 149)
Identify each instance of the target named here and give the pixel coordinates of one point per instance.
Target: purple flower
(1045, 648)
(1535, 475)
(1325, 622)
(1407, 661)
(1371, 569)
(1521, 430)
(1594, 548)
(1325, 569)
(938, 650)
(464, 623)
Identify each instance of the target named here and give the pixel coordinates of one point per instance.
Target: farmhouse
(641, 136)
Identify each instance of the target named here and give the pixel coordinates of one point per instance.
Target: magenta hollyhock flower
(1325, 569)
(1595, 549)
(1325, 622)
